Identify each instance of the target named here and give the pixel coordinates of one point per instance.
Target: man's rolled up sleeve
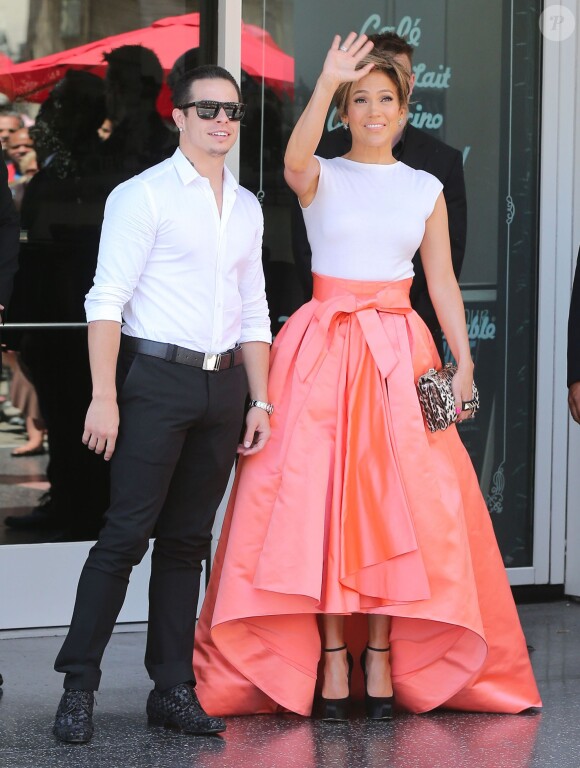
(255, 313)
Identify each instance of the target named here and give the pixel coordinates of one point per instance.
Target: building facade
(499, 82)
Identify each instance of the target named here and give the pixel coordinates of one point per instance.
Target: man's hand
(574, 401)
(257, 432)
(102, 426)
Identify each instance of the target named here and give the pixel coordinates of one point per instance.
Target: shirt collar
(188, 173)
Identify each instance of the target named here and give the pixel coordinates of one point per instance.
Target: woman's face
(374, 110)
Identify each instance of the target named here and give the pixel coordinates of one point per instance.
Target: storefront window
(477, 88)
(84, 88)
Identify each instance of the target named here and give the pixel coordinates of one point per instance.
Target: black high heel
(377, 707)
(336, 709)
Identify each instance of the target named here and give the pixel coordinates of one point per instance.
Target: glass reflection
(500, 146)
(71, 129)
(440, 740)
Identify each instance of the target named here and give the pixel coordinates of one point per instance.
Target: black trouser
(179, 427)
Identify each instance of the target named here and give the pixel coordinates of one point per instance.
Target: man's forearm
(257, 365)
(104, 342)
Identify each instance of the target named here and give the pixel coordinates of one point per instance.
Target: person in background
(574, 347)
(61, 212)
(9, 246)
(10, 122)
(20, 150)
(19, 144)
(23, 397)
(9, 241)
(105, 130)
(417, 149)
(140, 137)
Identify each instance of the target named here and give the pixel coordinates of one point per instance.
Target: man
(180, 258)
(20, 152)
(421, 151)
(19, 144)
(10, 122)
(574, 347)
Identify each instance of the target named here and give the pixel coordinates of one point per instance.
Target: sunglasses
(209, 110)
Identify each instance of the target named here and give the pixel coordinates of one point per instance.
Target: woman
(354, 514)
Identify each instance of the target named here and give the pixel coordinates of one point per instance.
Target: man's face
(19, 144)
(8, 125)
(213, 137)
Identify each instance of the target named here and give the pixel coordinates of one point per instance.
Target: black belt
(174, 354)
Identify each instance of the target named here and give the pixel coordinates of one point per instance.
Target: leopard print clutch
(436, 397)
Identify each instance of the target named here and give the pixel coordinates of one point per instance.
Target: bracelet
(268, 407)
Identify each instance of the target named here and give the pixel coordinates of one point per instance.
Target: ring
(469, 405)
(343, 48)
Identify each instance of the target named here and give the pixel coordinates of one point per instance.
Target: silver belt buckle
(211, 362)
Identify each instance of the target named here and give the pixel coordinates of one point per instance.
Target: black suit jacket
(574, 329)
(421, 151)
(9, 237)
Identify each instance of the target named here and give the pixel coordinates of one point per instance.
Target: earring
(181, 130)
(400, 121)
(345, 125)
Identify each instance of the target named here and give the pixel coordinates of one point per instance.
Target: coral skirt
(355, 508)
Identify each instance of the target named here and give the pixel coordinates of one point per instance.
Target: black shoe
(74, 717)
(377, 707)
(179, 708)
(336, 709)
(42, 517)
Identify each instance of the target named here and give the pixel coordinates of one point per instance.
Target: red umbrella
(169, 38)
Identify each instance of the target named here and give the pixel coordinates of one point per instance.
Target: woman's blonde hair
(384, 63)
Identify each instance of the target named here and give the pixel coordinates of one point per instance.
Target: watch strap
(268, 407)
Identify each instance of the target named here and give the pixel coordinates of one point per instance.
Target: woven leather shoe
(179, 708)
(74, 717)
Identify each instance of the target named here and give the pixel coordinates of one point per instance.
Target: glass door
(478, 89)
(87, 86)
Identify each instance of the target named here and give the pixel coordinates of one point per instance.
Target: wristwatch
(268, 407)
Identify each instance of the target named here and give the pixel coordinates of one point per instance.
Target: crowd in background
(88, 136)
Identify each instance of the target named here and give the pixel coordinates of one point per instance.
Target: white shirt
(172, 270)
(367, 220)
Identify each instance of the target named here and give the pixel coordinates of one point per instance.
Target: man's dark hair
(390, 42)
(182, 88)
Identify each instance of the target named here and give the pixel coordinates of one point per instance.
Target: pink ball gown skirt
(353, 508)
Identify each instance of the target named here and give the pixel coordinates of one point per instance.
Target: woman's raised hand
(342, 58)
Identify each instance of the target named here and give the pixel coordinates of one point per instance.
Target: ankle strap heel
(377, 707)
(336, 710)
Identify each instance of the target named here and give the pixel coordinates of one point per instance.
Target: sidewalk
(438, 740)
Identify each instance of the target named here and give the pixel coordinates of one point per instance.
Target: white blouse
(367, 220)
